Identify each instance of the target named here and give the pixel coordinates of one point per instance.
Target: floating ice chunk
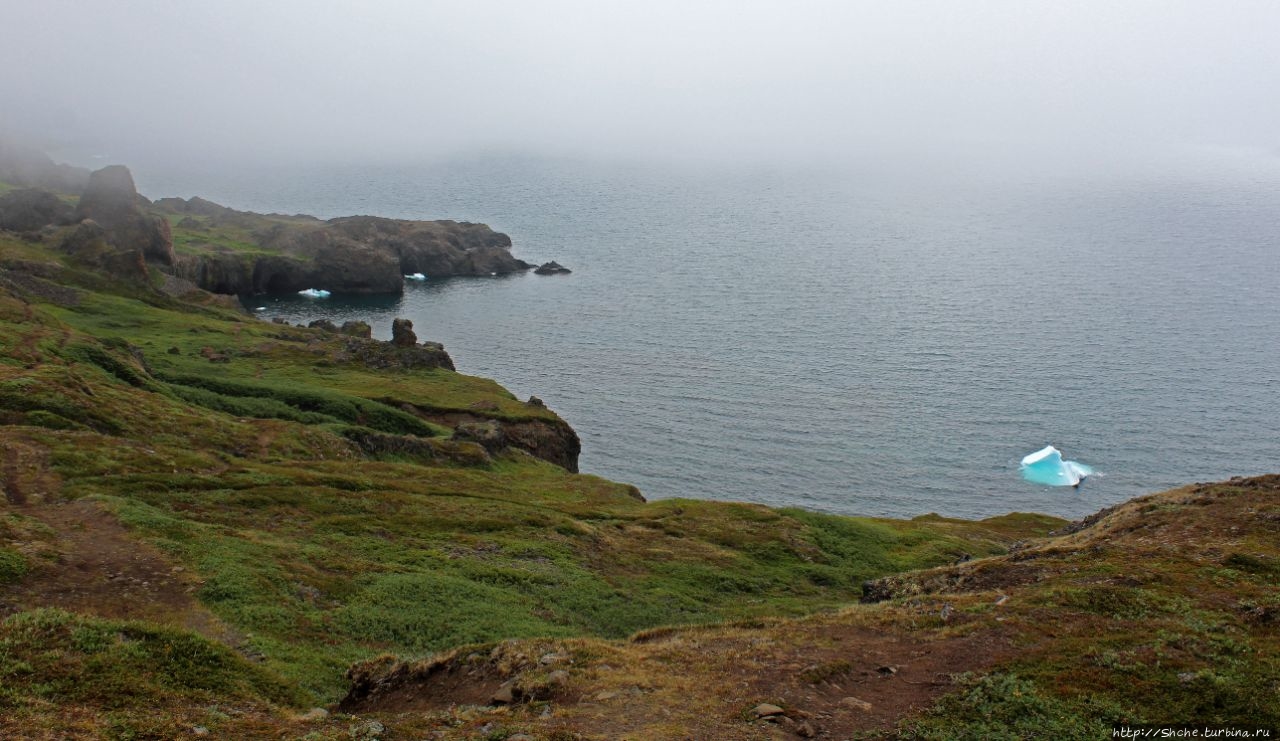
(1047, 467)
(314, 293)
(260, 308)
(415, 276)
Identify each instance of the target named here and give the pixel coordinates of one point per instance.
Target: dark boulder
(323, 325)
(28, 210)
(402, 333)
(552, 268)
(358, 329)
(112, 200)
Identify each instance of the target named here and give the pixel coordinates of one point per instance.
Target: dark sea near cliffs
(844, 339)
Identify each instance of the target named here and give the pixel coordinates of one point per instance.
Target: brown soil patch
(101, 570)
(832, 677)
(24, 473)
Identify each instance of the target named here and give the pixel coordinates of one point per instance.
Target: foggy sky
(349, 80)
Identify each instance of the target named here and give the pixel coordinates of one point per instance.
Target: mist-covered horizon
(1012, 85)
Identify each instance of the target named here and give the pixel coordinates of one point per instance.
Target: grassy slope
(195, 234)
(1164, 612)
(316, 555)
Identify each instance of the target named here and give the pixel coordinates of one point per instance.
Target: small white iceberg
(415, 276)
(314, 293)
(260, 308)
(1046, 467)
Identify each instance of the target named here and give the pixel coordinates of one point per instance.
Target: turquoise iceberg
(1047, 467)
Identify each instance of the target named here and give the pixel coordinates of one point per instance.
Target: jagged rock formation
(112, 200)
(378, 354)
(402, 333)
(552, 268)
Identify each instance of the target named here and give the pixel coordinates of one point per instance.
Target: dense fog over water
(1082, 83)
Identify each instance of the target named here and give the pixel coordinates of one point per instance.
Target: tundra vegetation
(216, 523)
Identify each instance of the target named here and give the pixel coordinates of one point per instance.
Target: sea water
(840, 339)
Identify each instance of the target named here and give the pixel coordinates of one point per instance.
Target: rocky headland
(226, 251)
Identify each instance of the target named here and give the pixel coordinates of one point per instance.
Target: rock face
(436, 248)
(29, 210)
(88, 243)
(552, 268)
(111, 199)
(552, 440)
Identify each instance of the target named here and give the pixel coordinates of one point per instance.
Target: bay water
(844, 339)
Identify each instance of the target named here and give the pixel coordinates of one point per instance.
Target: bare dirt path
(92, 565)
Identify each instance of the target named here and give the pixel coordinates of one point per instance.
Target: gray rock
(766, 710)
(369, 730)
(552, 268)
(505, 694)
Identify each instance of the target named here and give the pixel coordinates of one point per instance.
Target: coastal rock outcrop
(402, 333)
(435, 248)
(112, 200)
(552, 268)
(551, 439)
(240, 252)
(378, 354)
